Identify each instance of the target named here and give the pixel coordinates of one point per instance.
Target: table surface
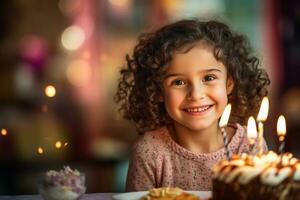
(95, 196)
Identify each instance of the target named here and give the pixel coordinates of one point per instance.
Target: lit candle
(281, 131)
(223, 123)
(262, 116)
(252, 132)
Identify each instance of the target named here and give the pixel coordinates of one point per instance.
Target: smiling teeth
(200, 109)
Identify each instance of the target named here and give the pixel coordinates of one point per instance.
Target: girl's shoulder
(152, 140)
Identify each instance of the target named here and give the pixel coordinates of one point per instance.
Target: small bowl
(65, 184)
(59, 193)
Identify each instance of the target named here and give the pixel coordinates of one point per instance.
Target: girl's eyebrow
(203, 71)
(212, 70)
(170, 75)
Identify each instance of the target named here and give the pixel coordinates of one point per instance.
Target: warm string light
(262, 116)
(58, 145)
(281, 132)
(223, 123)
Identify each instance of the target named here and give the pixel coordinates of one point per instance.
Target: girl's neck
(203, 141)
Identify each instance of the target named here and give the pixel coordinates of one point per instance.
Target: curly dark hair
(141, 80)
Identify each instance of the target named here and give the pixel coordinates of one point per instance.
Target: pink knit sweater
(158, 161)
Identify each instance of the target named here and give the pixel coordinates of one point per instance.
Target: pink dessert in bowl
(66, 184)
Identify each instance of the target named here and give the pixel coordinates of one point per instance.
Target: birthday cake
(247, 177)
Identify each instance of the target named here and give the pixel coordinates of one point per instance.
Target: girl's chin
(197, 128)
(197, 124)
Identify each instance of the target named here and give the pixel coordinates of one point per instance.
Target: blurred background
(59, 67)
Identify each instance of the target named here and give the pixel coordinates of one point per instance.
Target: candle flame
(225, 116)
(263, 111)
(251, 128)
(281, 127)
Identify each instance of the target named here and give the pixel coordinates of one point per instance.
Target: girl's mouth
(197, 110)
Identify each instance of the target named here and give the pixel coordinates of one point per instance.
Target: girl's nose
(196, 92)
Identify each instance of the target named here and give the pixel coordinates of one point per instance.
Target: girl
(175, 88)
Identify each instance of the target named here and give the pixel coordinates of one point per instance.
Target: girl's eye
(178, 82)
(209, 78)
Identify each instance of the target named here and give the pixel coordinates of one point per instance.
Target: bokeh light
(3, 131)
(50, 91)
(79, 72)
(58, 144)
(73, 37)
(86, 54)
(40, 150)
(121, 3)
(34, 50)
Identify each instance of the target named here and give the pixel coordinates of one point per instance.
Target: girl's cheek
(174, 96)
(219, 91)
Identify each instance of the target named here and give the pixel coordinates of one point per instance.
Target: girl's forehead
(199, 58)
(203, 44)
(197, 55)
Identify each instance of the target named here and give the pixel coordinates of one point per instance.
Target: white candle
(252, 132)
(281, 132)
(223, 123)
(262, 116)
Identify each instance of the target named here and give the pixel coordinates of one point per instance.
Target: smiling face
(195, 89)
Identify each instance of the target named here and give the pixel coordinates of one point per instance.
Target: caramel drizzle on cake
(270, 168)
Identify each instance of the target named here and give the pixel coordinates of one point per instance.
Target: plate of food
(164, 193)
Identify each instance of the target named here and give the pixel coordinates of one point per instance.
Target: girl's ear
(229, 85)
